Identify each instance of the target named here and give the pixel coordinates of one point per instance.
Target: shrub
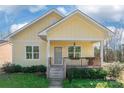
(114, 70)
(86, 73)
(11, 68)
(33, 69)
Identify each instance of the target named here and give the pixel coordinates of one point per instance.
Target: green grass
(21, 80)
(85, 83)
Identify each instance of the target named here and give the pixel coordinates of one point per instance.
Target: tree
(114, 44)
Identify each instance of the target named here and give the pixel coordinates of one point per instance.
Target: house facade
(5, 52)
(56, 39)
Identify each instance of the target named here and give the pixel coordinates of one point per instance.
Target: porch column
(101, 50)
(47, 56)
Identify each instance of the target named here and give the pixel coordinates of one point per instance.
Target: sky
(15, 17)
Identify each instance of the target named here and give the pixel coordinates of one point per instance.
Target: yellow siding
(5, 53)
(30, 37)
(76, 27)
(87, 49)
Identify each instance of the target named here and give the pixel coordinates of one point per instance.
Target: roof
(2, 41)
(43, 32)
(34, 21)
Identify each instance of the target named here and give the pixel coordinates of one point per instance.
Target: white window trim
(32, 52)
(74, 50)
(29, 52)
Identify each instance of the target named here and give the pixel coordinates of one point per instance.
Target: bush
(11, 68)
(33, 69)
(86, 73)
(114, 70)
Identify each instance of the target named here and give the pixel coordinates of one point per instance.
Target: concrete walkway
(55, 83)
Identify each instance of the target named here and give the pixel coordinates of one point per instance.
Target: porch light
(74, 44)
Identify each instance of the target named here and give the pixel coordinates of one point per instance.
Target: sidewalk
(55, 83)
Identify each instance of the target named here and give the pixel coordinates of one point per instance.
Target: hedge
(86, 73)
(12, 68)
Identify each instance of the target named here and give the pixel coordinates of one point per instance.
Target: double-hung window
(32, 52)
(74, 52)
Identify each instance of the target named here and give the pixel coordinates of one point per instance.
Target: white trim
(74, 49)
(48, 52)
(71, 14)
(101, 50)
(75, 39)
(54, 55)
(34, 21)
(32, 52)
(47, 57)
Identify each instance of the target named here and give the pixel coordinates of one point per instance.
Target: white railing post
(101, 51)
(47, 56)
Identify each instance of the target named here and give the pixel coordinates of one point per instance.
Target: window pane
(71, 52)
(36, 49)
(71, 49)
(71, 55)
(29, 55)
(28, 48)
(36, 55)
(77, 49)
(77, 55)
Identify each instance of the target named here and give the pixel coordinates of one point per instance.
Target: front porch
(74, 53)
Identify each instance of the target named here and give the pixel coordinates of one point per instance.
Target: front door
(58, 55)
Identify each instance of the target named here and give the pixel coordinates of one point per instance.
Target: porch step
(56, 72)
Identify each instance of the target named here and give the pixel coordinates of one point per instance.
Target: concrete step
(56, 75)
(56, 69)
(56, 72)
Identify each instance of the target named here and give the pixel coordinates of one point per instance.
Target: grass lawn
(21, 80)
(85, 83)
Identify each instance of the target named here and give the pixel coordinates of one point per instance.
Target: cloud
(114, 13)
(15, 27)
(62, 10)
(9, 9)
(36, 8)
(111, 15)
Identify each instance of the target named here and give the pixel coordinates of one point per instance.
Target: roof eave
(83, 14)
(24, 27)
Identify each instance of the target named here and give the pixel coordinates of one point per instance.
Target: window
(32, 52)
(28, 52)
(36, 52)
(74, 52)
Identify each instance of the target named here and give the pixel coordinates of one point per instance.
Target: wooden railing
(81, 62)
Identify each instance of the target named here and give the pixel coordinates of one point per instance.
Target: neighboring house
(57, 39)
(5, 52)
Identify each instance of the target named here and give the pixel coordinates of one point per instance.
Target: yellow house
(55, 39)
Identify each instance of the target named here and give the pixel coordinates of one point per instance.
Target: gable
(76, 27)
(37, 25)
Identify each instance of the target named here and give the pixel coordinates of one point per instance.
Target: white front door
(58, 55)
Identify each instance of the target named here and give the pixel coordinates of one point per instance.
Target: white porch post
(101, 50)
(47, 56)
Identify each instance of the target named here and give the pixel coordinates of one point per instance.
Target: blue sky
(14, 17)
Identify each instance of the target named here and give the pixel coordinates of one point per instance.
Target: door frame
(61, 54)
